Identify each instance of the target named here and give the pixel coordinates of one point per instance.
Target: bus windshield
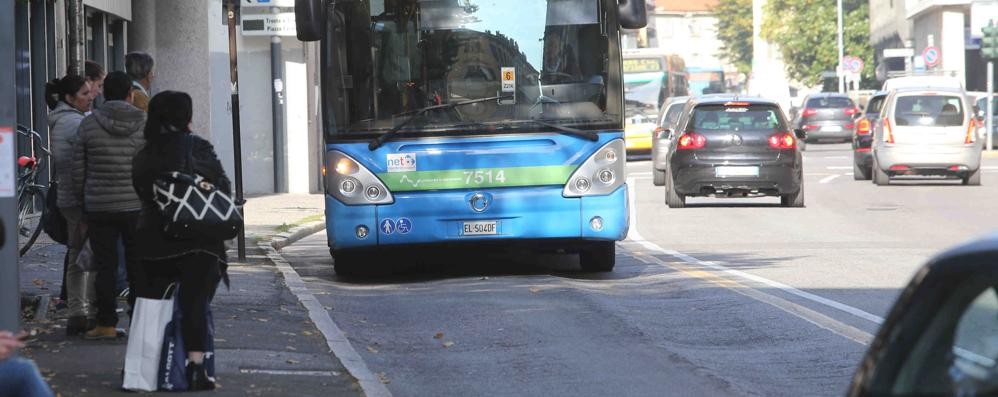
(392, 60)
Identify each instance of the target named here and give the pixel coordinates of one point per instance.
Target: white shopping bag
(145, 342)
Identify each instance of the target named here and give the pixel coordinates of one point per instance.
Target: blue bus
(472, 122)
(706, 80)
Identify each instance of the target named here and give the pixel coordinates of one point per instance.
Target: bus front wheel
(598, 256)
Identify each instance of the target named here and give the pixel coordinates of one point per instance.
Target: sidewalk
(265, 343)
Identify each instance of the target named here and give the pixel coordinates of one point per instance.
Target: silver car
(671, 111)
(926, 132)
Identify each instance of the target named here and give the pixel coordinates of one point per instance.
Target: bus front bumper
(519, 214)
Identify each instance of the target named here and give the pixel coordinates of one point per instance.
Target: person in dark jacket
(198, 264)
(107, 141)
(69, 98)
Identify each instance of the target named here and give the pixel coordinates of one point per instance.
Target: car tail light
(808, 112)
(863, 127)
(958, 168)
(971, 132)
(863, 150)
(782, 141)
(899, 167)
(888, 131)
(851, 111)
(811, 126)
(850, 126)
(692, 140)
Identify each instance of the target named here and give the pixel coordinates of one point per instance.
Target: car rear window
(829, 102)
(929, 111)
(736, 118)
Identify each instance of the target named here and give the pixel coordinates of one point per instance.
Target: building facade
(189, 42)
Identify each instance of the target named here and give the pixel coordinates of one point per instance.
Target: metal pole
(10, 294)
(840, 70)
(277, 109)
(237, 146)
(76, 26)
(989, 115)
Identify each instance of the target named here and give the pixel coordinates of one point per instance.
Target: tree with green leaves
(734, 29)
(806, 33)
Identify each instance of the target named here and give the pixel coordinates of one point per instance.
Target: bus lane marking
(718, 271)
(829, 178)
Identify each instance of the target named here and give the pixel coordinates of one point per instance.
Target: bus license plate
(723, 172)
(480, 228)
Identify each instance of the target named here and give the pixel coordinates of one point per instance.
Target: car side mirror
(665, 134)
(939, 336)
(800, 133)
(632, 14)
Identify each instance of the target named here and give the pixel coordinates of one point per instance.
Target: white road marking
(335, 339)
(834, 167)
(635, 236)
(829, 178)
(288, 372)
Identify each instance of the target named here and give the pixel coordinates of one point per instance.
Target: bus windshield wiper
(592, 136)
(413, 114)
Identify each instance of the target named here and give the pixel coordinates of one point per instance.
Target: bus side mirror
(310, 19)
(633, 14)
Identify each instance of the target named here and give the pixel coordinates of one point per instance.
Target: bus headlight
(603, 166)
(346, 178)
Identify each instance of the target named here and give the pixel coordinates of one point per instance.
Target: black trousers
(198, 274)
(105, 228)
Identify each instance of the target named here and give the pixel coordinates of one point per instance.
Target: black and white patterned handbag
(193, 208)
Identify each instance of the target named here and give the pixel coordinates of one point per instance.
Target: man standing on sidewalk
(102, 180)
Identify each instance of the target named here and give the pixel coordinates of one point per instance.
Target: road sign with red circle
(852, 64)
(931, 56)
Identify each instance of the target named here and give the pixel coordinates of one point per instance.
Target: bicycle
(30, 195)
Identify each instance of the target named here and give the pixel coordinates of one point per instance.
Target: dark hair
(56, 90)
(138, 64)
(93, 70)
(169, 112)
(117, 85)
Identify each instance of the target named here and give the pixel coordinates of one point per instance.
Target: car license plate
(480, 228)
(724, 172)
(832, 128)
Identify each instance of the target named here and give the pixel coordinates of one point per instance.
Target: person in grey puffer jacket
(69, 98)
(107, 141)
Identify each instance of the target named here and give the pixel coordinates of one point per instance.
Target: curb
(336, 340)
(279, 241)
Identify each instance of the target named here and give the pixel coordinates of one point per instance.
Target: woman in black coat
(197, 264)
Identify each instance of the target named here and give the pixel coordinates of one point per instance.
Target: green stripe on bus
(477, 178)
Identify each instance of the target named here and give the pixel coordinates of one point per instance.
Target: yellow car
(638, 137)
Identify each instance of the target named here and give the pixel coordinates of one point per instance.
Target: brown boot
(100, 332)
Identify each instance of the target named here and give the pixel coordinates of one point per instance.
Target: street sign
(267, 3)
(899, 52)
(931, 56)
(852, 64)
(281, 24)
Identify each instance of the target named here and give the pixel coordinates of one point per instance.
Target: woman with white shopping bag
(198, 264)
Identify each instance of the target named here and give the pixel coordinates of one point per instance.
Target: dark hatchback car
(827, 117)
(734, 147)
(862, 138)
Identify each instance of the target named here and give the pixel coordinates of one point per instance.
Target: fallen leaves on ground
(535, 289)
(383, 377)
(372, 349)
(448, 344)
(293, 361)
(439, 335)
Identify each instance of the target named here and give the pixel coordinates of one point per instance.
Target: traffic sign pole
(989, 115)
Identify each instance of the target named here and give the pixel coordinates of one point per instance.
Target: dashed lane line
(829, 178)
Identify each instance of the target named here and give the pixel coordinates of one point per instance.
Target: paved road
(725, 297)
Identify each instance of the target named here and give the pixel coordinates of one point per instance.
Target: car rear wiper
(380, 140)
(592, 136)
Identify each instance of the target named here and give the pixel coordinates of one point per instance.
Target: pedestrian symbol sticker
(404, 226)
(388, 226)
